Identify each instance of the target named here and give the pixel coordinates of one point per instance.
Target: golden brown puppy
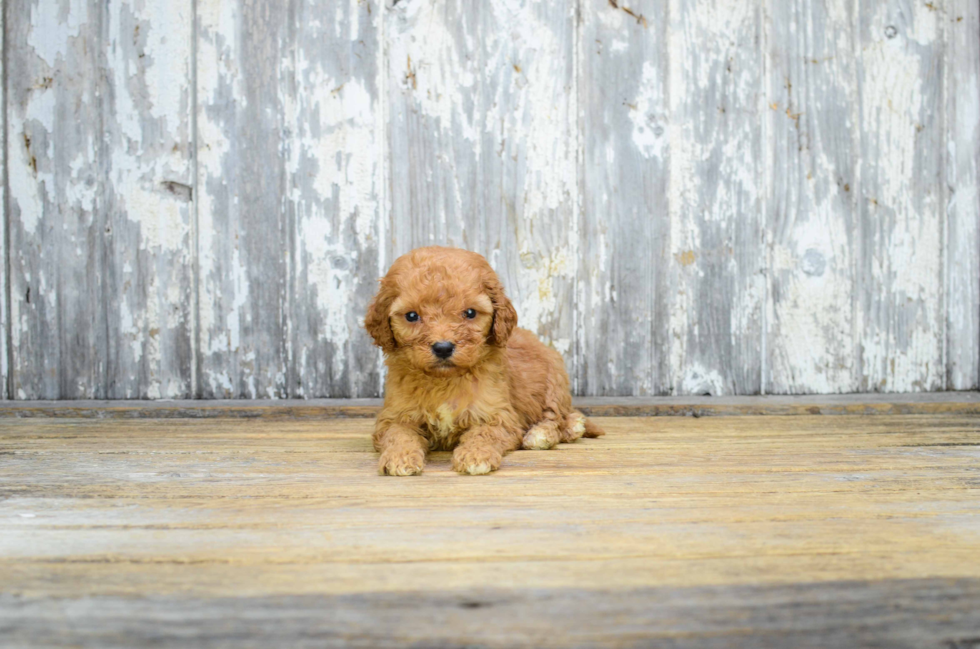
(460, 375)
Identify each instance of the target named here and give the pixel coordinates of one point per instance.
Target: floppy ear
(504, 314)
(377, 321)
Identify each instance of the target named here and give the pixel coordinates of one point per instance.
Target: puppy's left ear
(504, 313)
(377, 321)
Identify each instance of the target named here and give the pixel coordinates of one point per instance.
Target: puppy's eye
(470, 313)
(411, 316)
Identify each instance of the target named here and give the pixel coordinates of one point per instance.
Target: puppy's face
(440, 309)
(441, 329)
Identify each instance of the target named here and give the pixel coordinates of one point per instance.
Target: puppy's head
(441, 309)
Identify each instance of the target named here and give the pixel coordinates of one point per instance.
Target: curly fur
(500, 390)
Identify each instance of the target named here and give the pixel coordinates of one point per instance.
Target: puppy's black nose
(443, 349)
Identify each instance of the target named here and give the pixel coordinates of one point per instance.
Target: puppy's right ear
(377, 321)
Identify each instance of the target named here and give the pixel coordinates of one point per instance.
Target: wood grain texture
(100, 188)
(4, 230)
(149, 193)
(682, 197)
(934, 613)
(900, 190)
(244, 258)
(335, 127)
(56, 104)
(483, 145)
(717, 260)
(710, 527)
(962, 78)
(623, 286)
(812, 220)
(291, 176)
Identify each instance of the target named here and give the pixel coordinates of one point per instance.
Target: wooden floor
(791, 531)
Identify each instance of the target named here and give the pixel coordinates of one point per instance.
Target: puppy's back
(537, 377)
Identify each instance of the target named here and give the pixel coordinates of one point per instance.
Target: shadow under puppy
(461, 376)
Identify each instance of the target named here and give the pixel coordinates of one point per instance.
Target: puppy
(461, 376)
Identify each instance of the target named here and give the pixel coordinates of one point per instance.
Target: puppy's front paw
(475, 459)
(401, 462)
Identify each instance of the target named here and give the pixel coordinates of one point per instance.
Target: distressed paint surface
(4, 299)
(962, 79)
(717, 260)
(623, 276)
(57, 218)
(483, 145)
(148, 198)
(290, 174)
(813, 234)
(242, 224)
(899, 184)
(101, 271)
(683, 198)
(335, 194)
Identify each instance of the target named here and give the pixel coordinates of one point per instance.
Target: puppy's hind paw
(575, 427)
(540, 438)
(401, 463)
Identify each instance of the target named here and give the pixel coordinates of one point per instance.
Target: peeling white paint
(649, 101)
(963, 227)
(536, 296)
(535, 115)
(30, 178)
(434, 73)
(902, 354)
(52, 25)
(493, 101)
(699, 380)
(717, 302)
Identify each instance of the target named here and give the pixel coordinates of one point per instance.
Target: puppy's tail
(591, 429)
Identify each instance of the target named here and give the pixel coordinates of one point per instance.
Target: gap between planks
(954, 403)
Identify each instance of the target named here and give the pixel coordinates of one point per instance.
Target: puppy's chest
(445, 422)
(448, 411)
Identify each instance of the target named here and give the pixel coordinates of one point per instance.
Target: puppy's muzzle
(443, 349)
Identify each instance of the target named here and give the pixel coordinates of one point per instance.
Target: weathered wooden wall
(682, 196)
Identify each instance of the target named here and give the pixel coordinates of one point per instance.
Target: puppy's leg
(482, 448)
(402, 449)
(574, 427)
(545, 434)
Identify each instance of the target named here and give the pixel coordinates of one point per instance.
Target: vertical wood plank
(623, 278)
(290, 173)
(4, 286)
(335, 172)
(962, 77)
(100, 182)
(716, 227)
(149, 194)
(812, 215)
(900, 198)
(437, 120)
(243, 251)
(483, 145)
(55, 106)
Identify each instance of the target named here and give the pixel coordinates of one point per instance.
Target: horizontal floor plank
(915, 614)
(672, 531)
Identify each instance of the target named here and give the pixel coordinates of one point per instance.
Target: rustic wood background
(682, 196)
